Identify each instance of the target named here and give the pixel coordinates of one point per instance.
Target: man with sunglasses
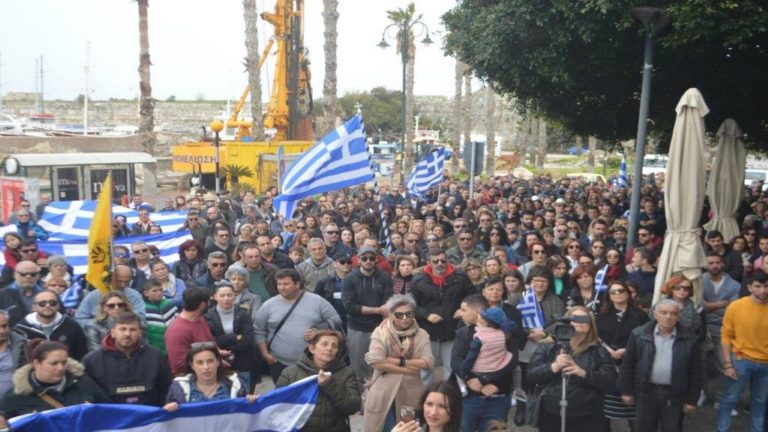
(364, 291)
(466, 248)
(47, 323)
(196, 226)
(17, 298)
(329, 287)
(439, 291)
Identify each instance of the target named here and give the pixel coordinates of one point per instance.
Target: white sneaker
(734, 413)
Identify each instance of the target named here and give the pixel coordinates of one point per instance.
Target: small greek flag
(337, 161)
(533, 317)
(600, 285)
(623, 179)
(427, 173)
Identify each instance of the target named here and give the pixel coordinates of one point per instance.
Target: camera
(564, 331)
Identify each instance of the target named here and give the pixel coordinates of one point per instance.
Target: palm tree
(490, 131)
(404, 18)
(456, 133)
(251, 17)
(233, 172)
(467, 109)
(147, 103)
(330, 101)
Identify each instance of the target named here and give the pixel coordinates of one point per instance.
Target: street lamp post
(216, 127)
(403, 37)
(653, 20)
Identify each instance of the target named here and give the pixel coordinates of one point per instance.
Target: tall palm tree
(147, 103)
(490, 131)
(251, 18)
(330, 101)
(404, 18)
(456, 133)
(467, 109)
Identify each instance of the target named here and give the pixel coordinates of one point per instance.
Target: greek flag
(71, 220)
(600, 285)
(623, 180)
(286, 409)
(533, 317)
(427, 173)
(337, 161)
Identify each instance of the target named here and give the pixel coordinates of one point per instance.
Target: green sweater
(159, 317)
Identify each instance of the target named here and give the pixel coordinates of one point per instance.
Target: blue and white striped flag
(427, 173)
(623, 180)
(337, 161)
(533, 317)
(286, 409)
(71, 220)
(600, 285)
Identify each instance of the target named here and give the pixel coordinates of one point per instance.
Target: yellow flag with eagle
(100, 241)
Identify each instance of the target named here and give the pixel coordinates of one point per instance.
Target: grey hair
(315, 240)
(56, 260)
(237, 271)
(398, 300)
(216, 255)
(668, 302)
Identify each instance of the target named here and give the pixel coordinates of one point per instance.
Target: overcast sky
(197, 47)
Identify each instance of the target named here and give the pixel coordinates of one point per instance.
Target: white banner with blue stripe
(282, 410)
(337, 161)
(427, 173)
(533, 317)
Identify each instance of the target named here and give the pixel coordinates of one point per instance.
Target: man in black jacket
(438, 292)
(661, 371)
(47, 323)
(364, 291)
(127, 369)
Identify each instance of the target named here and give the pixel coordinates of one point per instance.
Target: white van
(654, 163)
(753, 175)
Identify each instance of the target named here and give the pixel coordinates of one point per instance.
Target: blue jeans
(441, 351)
(747, 372)
(478, 411)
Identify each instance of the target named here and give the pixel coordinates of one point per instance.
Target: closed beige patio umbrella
(726, 181)
(684, 195)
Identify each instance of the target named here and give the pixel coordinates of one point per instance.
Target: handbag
(533, 407)
(285, 318)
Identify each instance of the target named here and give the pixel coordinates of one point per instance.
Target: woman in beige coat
(399, 351)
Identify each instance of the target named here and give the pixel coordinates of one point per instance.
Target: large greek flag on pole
(337, 161)
(623, 178)
(427, 173)
(282, 410)
(533, 317)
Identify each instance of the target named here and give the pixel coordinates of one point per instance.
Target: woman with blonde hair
(110, 306)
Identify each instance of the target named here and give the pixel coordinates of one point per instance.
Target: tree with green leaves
(579, 62)
(380, 107)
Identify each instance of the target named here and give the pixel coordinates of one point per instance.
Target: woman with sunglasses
(339, 396)
(616, 268)
(538, 253)
(496, 237)
(592, 374)
(680, 289)
(110, 307)
(617, 318)
(208, 379)
(399, 350)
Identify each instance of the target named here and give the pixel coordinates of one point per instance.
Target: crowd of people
(439, 314)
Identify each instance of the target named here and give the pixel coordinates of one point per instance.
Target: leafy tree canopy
(381, 109)
(579, 62)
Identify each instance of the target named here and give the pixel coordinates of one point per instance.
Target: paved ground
(700, 421)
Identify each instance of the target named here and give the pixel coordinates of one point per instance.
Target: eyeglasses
(56, 286)
(345, 262)
(140, 251)
(122, 255)
(574, 247)
(44, 303)
(218, 264)
(561, 230)
(192, 219)
(411, 240)
(401, 315)
(114, 305)
(465, 238)
(368, 258)
(682, 287)
(538, 251)
(301, 226)
(437, 261)
(224, 235)
(431, 239)
(617, 291)
(28, 250)
(331, 232)
(28, 274)
(459, 226)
